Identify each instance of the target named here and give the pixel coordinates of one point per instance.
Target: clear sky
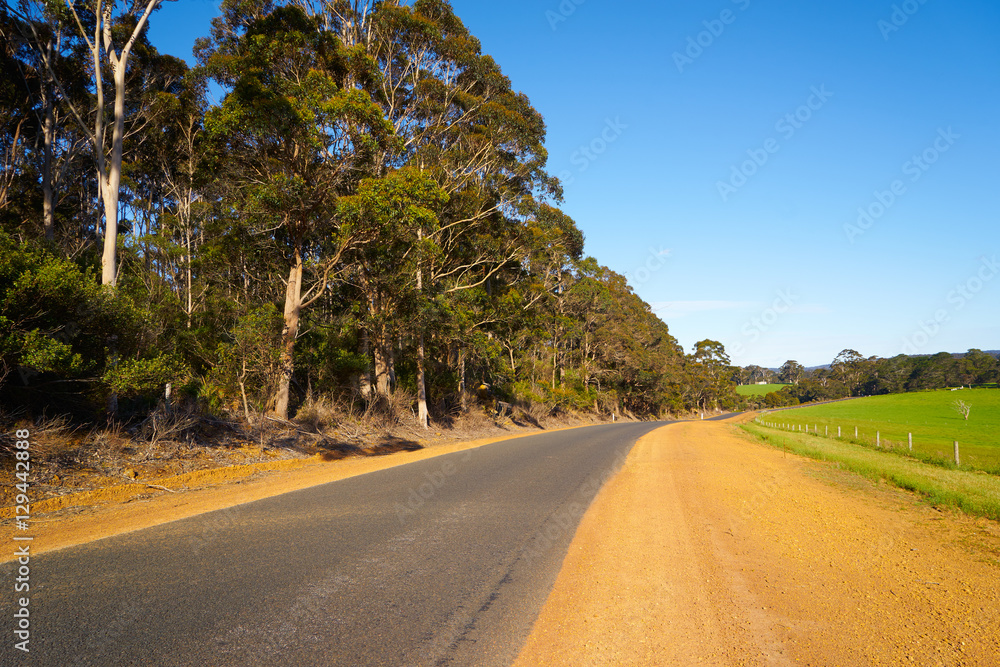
(790, 178)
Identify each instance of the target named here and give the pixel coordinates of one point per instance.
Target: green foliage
(248, 361)
(58, 325)
(382, 166)
(136, 377)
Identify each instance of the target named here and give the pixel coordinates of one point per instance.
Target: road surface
(442, 562)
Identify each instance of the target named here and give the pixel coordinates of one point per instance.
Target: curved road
(442, 562)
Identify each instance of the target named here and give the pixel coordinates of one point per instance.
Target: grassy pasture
(758, 389)
(930, 416)
(972, 492)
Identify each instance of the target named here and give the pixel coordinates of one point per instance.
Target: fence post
(826, 431)
(911, 441)
(838, 431)
(957, 462)
(878, 438)
(855, 431)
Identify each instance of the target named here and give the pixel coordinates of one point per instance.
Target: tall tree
(296, 133)
(457, 120)
(791, 371)
(710, 374)
(109, 34)
(850, 367)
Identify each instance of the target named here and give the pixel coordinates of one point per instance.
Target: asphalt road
(442, 562)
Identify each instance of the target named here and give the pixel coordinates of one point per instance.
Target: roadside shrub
(66, 342)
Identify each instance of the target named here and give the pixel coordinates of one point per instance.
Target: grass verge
(973, 492)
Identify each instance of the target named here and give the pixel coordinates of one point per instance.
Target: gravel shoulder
(712, 548)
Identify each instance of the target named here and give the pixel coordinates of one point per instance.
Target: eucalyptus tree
(709, 372)
(851, 368)
(42, 61)
(166, 182)
(15, 108)
(791, 372)
(297, 131)
(109, 33)
(457, 121)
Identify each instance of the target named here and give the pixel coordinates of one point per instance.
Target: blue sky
(721, 154)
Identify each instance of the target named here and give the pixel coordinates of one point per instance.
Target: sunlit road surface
(446, 561)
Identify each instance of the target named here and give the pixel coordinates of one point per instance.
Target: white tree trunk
(422, 415)
(109, 168)
(293, 307)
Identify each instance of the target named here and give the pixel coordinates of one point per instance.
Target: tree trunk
(293, 305)
(384, 366)
(187, 274)
(243, 392)
(365, 381)
(377, 338)
(462, 399)
(111, 182)
(421, 385)
(555, 363)
(48, 132)
(422, 416)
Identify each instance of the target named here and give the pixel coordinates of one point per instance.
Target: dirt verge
(711, 548)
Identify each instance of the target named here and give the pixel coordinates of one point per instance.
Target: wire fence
(767, 420)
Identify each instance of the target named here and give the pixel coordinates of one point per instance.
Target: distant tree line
(852, 374)
(365, 214)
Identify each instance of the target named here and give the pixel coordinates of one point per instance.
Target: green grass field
(929, 416)
(758, 389)
(970, 491)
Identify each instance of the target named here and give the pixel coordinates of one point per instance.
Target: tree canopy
(365, 213)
